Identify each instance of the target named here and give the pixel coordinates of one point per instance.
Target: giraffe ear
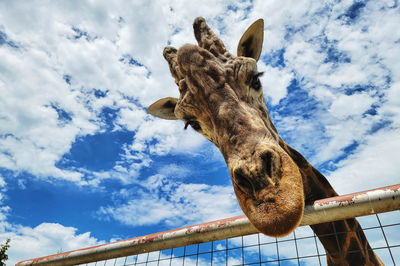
(250, 45)
(164, 108)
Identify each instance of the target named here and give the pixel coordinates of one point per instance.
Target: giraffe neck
(344, 241)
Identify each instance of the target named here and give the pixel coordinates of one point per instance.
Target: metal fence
(300, 248)
(234, 241)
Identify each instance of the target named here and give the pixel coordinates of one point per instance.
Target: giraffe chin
(276, 210)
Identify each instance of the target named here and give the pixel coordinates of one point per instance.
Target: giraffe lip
(276, 215)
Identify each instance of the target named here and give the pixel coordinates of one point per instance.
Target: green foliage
(3, 250)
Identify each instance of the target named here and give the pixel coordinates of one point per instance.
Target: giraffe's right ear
(250, 45)
(164, 108)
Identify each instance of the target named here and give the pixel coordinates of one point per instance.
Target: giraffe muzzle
(268, 186)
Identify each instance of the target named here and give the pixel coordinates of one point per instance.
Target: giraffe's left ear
(250, 45)
(164, 108)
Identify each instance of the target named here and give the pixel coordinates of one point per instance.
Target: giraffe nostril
(267, 162)
(168, 51)
(243, 182)
(249, 184)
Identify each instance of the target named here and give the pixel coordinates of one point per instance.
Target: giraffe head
(221, 98)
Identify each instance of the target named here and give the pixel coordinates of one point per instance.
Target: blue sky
(81, 162)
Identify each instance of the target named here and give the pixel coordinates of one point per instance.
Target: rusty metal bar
(337, 208)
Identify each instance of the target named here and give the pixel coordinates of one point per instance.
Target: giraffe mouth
(273, 202)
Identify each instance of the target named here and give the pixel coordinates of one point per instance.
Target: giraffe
(221, 98)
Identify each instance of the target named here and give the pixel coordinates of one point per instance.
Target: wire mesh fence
(302, 247)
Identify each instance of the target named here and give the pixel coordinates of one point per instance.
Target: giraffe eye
(255, 82)
(194, 124)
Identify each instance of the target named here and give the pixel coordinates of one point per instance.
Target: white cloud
(174, 170)
(348, 105)
(145, 211)
(372, 166)
(391, 109)
(304, 57)
(275, 82)
(2, 182)
(169, 136)
(131, 117)
(172, 203)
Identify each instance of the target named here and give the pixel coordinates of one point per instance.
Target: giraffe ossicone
(221, 98)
